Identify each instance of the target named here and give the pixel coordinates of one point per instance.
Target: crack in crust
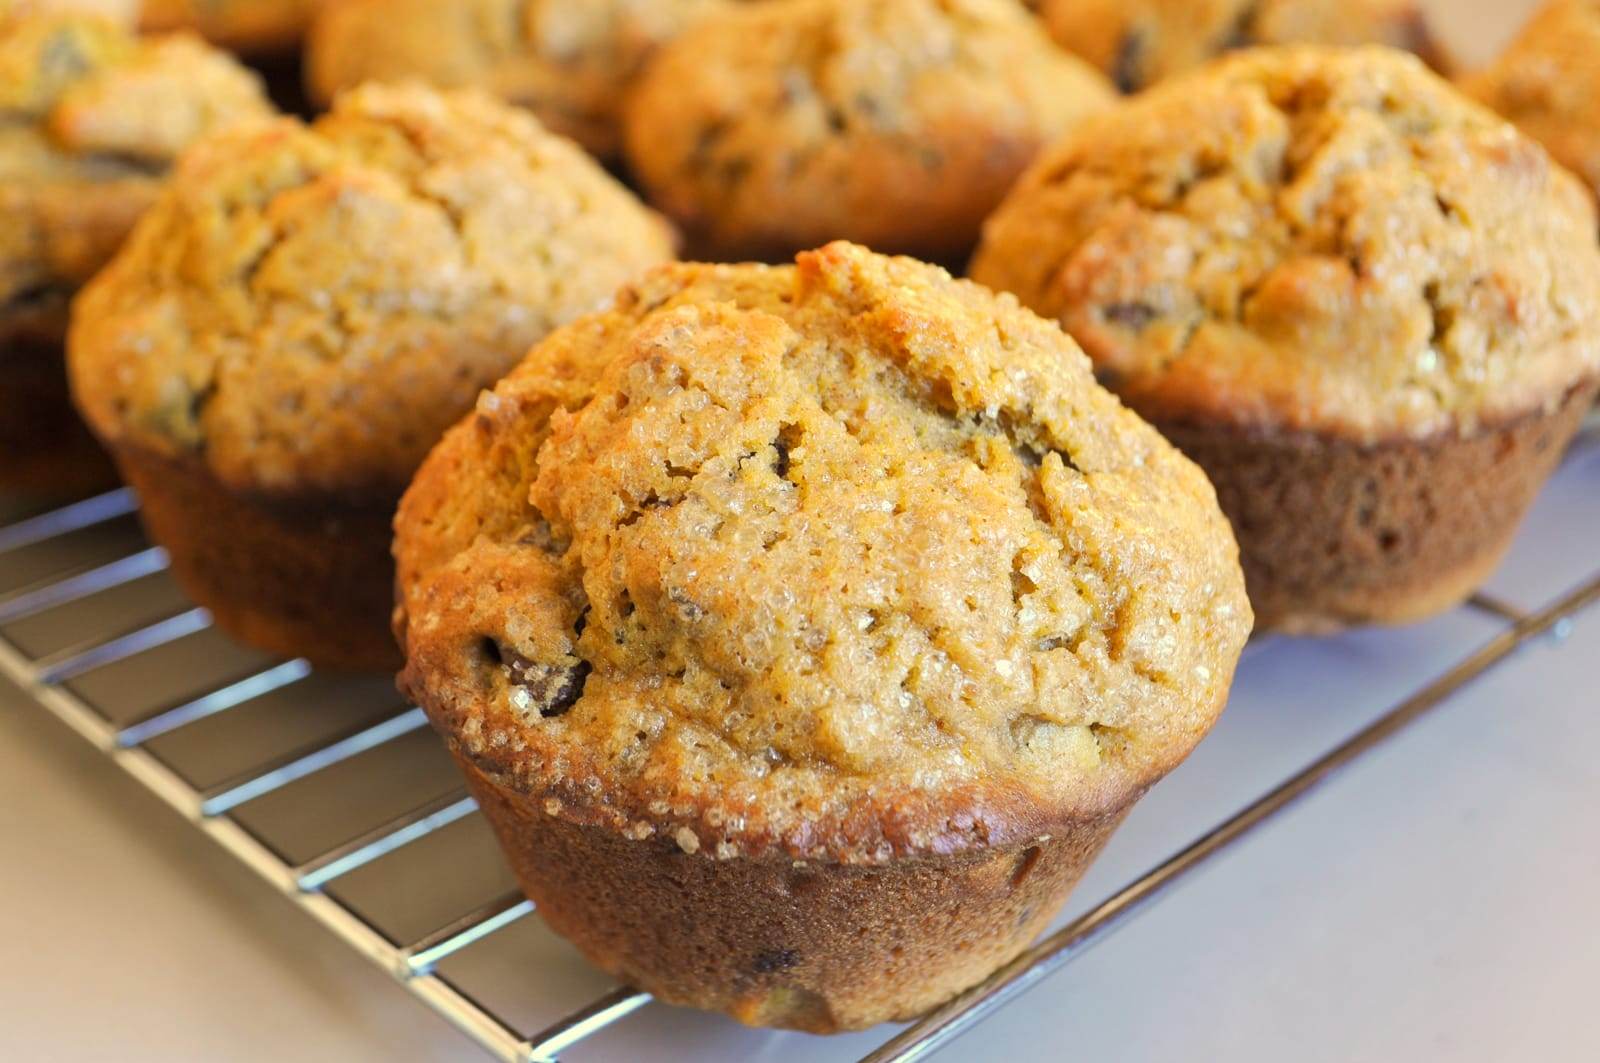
(1341, 244)
(830, 530)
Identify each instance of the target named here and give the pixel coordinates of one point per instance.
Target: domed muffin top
(1548, 83)
(1340, 242)
(567, 60)
(309, 307)
(893, 123)
(1140, 42)
(90, 118)
(845, 559)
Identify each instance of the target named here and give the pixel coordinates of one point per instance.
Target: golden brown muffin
(567, 60)
(304, 313)
(1139, 42)
(894, 123)
(90, 120)
(251, 26)
(1368, 307)
(805, 631)
(1548, 83)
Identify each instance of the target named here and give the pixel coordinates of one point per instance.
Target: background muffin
(1368, 307)
(804, 632)
(895, 123)
(567, 60)
(306, 311)
(252, 26)
(90, 119)
(1548, 82)
(1139, 42)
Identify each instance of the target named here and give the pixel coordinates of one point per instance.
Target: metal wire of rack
(55, 678)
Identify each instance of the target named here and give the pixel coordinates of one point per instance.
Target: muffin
(254, 27)
(1139, 42)
(1365, 305)
(805, 631)
(894, 123)
(567, 60)
(90, 120)
(1548, 83)
(304, 313)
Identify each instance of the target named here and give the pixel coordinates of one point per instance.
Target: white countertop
(1437, 901)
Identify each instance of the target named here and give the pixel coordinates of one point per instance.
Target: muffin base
(1333, 534)
(45, 449)
(775, 942)
(297, 577)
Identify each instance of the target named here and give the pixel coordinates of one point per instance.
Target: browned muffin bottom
(1343, 260)
(804, 631)
(295, 575)
(1333, 534)
(1139, 42)
(47, 448)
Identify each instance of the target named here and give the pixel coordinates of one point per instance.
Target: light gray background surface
(1437, 902)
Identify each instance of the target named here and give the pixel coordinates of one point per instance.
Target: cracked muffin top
(1340, 242)
(91, 118)
(894, 123)
(1139, 42)
(247, 25)
(567, 60)
(1548, 83)
(309, 307)
(846, 559)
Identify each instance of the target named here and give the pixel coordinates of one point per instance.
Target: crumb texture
(1548, 83)
(844, 559)
(1342, 243)
(897, 124)
(1139, 42)
(567, 60)
(91, 118)
(309, 307)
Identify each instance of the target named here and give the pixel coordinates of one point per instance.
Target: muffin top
(1548, 83)
(845, 560)
(90, 119)
(1339, 243)
(567, 60)
(248, 25)
(895, 123)
(308, 307)
(1139, 42)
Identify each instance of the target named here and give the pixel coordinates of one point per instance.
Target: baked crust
(1139, 42)
(815, 946)
(1548, 83)
(1341, 245)
(298, 576)
(1334, 535)
(898, 124)
(848, 561)
(91, 118)
(309, 307)
(567, 62)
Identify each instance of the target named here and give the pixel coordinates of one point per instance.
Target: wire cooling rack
(336, 794)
